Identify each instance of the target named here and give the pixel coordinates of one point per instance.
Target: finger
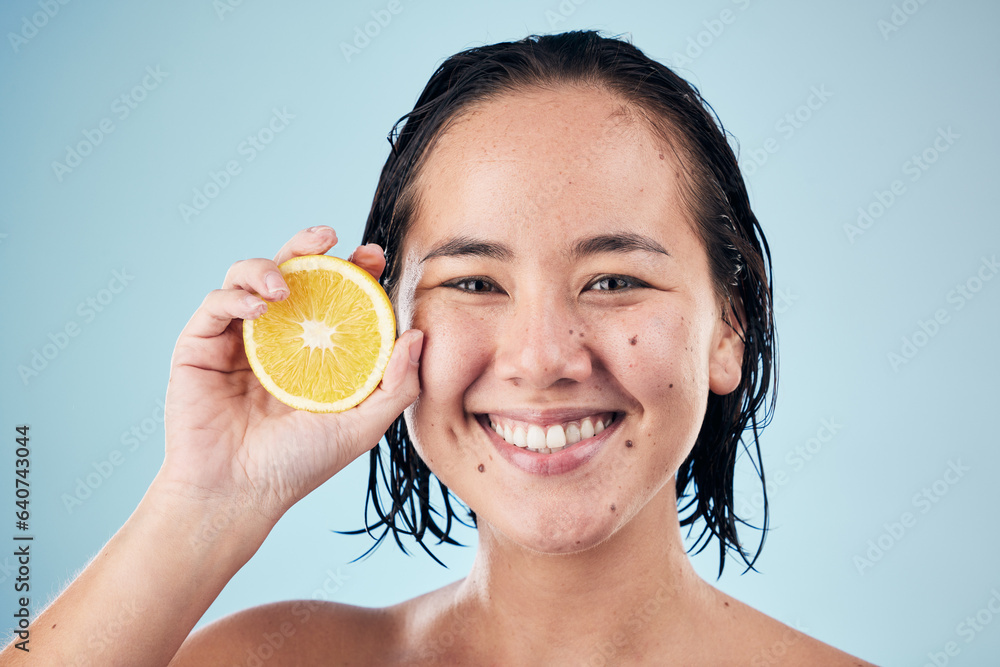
(313, 241)
(370, 258)
(258, 276)
(400, 386)
(221, 307)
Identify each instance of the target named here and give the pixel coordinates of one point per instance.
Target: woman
(584, 289)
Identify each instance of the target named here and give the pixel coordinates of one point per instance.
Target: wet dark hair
(717, 200)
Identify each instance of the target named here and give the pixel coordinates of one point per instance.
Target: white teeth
(555, 437)
(536, 437)
(550, 439)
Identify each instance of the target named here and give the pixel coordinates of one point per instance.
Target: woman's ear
(726, 358)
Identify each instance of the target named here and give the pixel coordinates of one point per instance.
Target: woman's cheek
(654, 355)
(643, 349)
(455, 355)
(456, 350)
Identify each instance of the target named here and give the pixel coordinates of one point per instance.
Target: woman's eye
(614, 283)
(473, 285)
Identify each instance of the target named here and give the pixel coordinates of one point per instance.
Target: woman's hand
(227, 439)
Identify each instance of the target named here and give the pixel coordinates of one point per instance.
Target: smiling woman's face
(561, 287)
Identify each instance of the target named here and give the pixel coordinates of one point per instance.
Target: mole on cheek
(633, 340)
(671, 385)
(612, 508)
(482, 468)
(628, 443)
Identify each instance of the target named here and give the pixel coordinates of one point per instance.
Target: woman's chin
(561, 534)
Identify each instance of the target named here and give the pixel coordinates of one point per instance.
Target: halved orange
(326, 346)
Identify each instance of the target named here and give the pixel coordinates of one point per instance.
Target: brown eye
(614, 284)
(473, 285)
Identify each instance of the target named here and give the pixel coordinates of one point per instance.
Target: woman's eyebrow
(463, 246)
(618, 242)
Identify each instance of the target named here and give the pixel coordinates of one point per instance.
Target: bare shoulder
(762, 641)
(294, 632)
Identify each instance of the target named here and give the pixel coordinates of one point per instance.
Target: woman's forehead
(566, 160)
(571, 122)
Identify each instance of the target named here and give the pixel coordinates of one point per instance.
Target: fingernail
(320, 229)
(416, 347)
(274, 283)
(253, 302)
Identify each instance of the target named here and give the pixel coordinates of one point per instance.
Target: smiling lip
(555, 463)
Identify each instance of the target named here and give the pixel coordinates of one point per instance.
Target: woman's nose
(543, 343)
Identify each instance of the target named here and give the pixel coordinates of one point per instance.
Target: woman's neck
(636, 587)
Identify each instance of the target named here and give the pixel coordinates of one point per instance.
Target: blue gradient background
(845, 305)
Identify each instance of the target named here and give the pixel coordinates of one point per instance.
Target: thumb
(400, 386)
